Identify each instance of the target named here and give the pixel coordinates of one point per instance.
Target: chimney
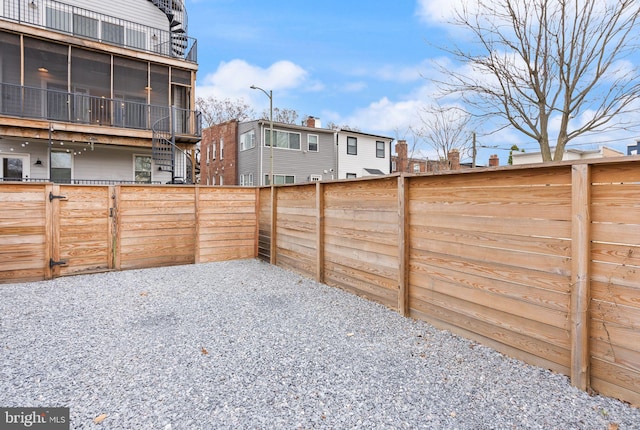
(401, 150)
(454, 159)
(313, 122)
(494, 161)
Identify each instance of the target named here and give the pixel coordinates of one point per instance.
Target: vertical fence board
(320, 232)
(580, 251)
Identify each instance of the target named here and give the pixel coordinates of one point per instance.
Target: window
(416, 168)
(283, 139)
(394, 166)
(13, 167)
(379, 149)
(312, 142)
(221, 180)
(61, 167)
(208, 154)
(351, 175)
(352, 146)
(280, 179)
(221, 148)
(214, 151)
(246, 180)
(142, 168)
(248, 140)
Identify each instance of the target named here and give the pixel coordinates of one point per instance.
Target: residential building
(569, 154)
(633, 148)
(240, 153)
(403, 162)
(362, 154)
(97, 92)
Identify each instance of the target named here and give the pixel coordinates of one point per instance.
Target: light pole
(270, 95)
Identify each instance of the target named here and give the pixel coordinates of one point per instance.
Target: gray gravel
(243, 344)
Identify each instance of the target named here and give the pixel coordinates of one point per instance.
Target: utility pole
(473, 163)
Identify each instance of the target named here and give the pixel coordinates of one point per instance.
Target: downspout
(336, 134)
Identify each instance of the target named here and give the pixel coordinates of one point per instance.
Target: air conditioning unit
(315, 178)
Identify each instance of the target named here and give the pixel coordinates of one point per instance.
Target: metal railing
(84, 23)
(52, 105)
(166, 155)
(80, 181)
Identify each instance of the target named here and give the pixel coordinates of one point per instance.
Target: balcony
(84, 23)
(36, 103)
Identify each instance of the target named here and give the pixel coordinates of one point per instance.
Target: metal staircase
(177, 15)
(166, 155)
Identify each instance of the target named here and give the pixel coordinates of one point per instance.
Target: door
(180, 99)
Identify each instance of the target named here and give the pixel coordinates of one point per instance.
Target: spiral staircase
(167, 156)
(177, 15)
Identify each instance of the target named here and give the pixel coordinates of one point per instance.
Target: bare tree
(542, 63)
(216, 111)
(284, 116)
(445, 128)
(333, 126)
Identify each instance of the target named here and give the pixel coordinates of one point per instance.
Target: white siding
(140, 11)
(366, 156)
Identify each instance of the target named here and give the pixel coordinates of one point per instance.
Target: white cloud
(386, 116)
(232, 80)
(438, 11)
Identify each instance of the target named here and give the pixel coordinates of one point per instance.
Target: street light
(270, 95)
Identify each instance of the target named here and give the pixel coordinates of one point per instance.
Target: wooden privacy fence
(541, 263)
(49, 230)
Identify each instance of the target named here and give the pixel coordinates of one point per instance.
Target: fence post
(319, 232)
(48, 231)
(403, 245)
(273, 249)
(580, 276)
(196, 208)
(256, 252)
(117, 227)
(111, 229)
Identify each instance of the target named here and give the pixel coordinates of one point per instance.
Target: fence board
(226, 223)
(23, 232)
(153, 247)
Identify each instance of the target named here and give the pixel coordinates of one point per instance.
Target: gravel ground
(245, 345)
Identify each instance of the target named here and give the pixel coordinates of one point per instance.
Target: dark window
(352, 146)
(379, 149)
(351, 175)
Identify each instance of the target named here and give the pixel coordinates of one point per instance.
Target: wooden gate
(49, 230)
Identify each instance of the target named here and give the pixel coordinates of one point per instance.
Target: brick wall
(213, 167)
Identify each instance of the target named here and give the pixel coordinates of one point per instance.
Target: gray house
(240, 153)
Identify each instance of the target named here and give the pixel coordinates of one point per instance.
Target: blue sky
(359, 63)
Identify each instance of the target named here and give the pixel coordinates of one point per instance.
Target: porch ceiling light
(43, 70)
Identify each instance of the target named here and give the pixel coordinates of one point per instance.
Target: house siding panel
(365, 157)
(144, 11)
